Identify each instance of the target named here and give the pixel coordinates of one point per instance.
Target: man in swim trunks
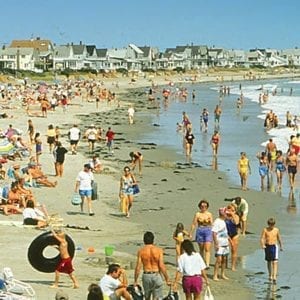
(270, 237)
(271, 149)
(292, 161)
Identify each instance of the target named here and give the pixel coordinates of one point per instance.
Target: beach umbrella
(6, 147)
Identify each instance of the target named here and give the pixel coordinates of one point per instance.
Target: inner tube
(36, 256)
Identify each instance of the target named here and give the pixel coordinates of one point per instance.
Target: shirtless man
(65, 265)
(291, 161)
(150, 257)
(271, 149)
(270, 236)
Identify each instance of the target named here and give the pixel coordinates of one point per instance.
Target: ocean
(241, 130)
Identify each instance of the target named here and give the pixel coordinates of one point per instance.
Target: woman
(263, 168)
(215, 140)
(51, 134)
(192, 267)
(59, 155)
(33, 216)
(189, 141)
(136, 158)
(38, 147)
(127, 182)
(244, 169)
(205, 118)
(203, 220)
(30, 131)
(279, 168)
(232, 224)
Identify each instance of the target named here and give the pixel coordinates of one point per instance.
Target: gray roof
(90, 49)
(101, 52)
(78, 49)
(15, 51)
(62, 51)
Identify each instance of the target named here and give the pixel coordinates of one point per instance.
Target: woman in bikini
(203, 220)
(215, 140)
(263, 168)
(244, 169)
(279, 167)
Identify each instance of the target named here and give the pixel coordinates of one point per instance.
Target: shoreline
(151, 206)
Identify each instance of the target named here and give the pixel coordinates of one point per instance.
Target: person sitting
(95, 164)
(27, 193)
(95, 292)
(21, 147)
(36, 173)
(2, 172)
(33, 216)
(15, 197)
(9, 208)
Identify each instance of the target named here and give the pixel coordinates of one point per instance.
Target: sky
(231, 24)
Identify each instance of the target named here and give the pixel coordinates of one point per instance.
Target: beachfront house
(148, 59)
(19, 58)
(218, 57)
(237, 58)
(199, 57)
(292, 56)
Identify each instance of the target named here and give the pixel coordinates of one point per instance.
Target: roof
(62, 51)
(101, 52)
(136, 49)
(41, 45)
(15, 51)
(78, 49)
(90, 49)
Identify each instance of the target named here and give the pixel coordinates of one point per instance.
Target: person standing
(244, 169)
(189, 141)
(30, 131)
(38, 147)
(271, 149)
(65, 264)
(242, 209)
(269, 240)
(130, 112)
(74, 137)
(292, 161)
(151, 259)
(113, 284)
(110, 135)
(221, 242)
(217, 112)
(59, 155)
(91, 135)
(215, 141)
(51, 137)
(136, 158)
(84, 187)
(205, 118)
(192, 268)
(263, 169)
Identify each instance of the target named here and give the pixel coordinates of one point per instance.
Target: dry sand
(169, 194)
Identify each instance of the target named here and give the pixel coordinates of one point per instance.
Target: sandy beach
(170, 192)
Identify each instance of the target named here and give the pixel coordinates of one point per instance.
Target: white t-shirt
(74, 134)
(219, 227)
(190, 265)
(130, 111)
(32, 213)
(91, 134)
(85, 180)
(109, 284)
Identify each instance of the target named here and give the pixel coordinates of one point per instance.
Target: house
(218, 57)
(237, 58)
(292, 56)
(150, 54)
(255, 57)
(19, 58)
(199, 57)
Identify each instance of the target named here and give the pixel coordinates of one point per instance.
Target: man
(271, 149)
(242, 211)
(110, 135)
(91, 135)
(150, 257)
(113, 284)
(291, 162)
(84, 187)
(221, 241)
(74, 136)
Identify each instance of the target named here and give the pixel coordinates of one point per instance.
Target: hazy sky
(239, 24)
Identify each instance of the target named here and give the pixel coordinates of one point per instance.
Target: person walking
(59, 156)
(110, 135)
(83, 186)
(244, 170)
(151, 259)
(74, 137)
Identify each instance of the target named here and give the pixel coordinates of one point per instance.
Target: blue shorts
(263, 170)
(85, 193)
(204, 234)
(271, 252)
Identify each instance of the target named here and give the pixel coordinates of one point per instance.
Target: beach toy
(37, 248)
(109, 250)
(91, 249)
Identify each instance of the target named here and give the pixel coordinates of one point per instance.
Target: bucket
(109, 250)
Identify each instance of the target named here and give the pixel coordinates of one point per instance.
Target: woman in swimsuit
(280, 168)
(215, 140)
(203, 220)
(263, 168)
(189, 141)
(232, 224)
(243, 169)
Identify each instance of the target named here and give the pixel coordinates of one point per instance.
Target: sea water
(241, 130)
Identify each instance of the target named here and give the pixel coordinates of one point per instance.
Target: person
(95, 164)
(291, 161)
(33, 216)
(217, 113)
(94, 292)
(263, 168)
(2, 172)
(215, 140)
(189, 141)
(232, 224)
(65, 264)
(59, 157)
(151, 259)
(221, 242)
(38, 147)
(127, 182)
(30, 131)
(244, 169)
(113, 284)
(136, 158)
(15, 197)
(205, 118)
(130, 112)
(203, 219)
(91, 135)
(51, 137)
(269, 240)
(295, 143)
(280, 168)
(45, 105)
(271, 149)
(242, 209)
(110, 135)
(36, 174)
(192, 268)
(74, 137)
(84, 187)
(289, 119)
(179, 236)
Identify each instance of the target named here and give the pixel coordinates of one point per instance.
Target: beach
(170, 192)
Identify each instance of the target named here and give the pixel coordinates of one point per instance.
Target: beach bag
(207, 294)
(136, 292)
(76, 199)
(122, 201)
(94, 190)
(172, 295)
(136, 189)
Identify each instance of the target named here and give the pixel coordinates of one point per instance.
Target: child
(270, 236)
(65, 265)
(38, 146)
(178, 236)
